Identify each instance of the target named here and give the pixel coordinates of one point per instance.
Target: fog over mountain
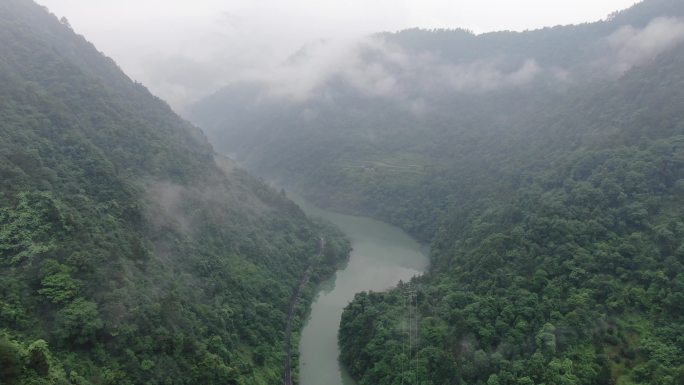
(382, 66)
(185, 50)
(544, 168)
(467, 193)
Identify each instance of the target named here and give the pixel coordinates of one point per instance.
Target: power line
(403, 344)
(411, 337)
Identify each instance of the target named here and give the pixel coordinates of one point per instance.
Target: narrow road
(294, 301)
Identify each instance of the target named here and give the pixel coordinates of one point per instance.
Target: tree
(11, 360)
(39, 357)
(79, 321)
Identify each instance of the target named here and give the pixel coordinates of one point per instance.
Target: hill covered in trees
(129, 252)
(544, 168)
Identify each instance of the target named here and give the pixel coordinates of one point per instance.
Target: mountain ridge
(547, 181)
(130, 252)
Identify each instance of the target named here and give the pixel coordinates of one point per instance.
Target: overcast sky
(160, 42)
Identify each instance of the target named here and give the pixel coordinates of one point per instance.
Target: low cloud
(185, 50)
(167, 209)
(631, 47)
(374, 67)
(486, 76)
(305, 71)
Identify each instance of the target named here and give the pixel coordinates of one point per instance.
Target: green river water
(382, 256)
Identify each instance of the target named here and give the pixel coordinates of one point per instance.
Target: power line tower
(411, 332)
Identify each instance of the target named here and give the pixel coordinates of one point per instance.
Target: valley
(497, 208)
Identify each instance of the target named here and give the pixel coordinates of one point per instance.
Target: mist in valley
(257, 192)
(184, 52)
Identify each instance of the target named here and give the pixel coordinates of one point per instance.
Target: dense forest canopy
(544, 168)
(129, 252)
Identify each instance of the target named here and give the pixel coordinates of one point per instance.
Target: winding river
(382, 256)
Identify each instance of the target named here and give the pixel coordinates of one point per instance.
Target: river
(382, 256)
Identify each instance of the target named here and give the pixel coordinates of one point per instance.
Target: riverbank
(382, 255)
(294, 302)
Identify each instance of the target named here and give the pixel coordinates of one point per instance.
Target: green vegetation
(128, 253)
(575, 279)
(553, 208)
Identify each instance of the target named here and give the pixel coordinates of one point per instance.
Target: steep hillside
(128, 253)
(392, 114)
(546, 170)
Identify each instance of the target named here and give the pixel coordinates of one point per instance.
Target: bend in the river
(382, 256)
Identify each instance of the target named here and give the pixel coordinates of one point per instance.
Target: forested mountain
(545, 169)
(129, 252)
(391, 113)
